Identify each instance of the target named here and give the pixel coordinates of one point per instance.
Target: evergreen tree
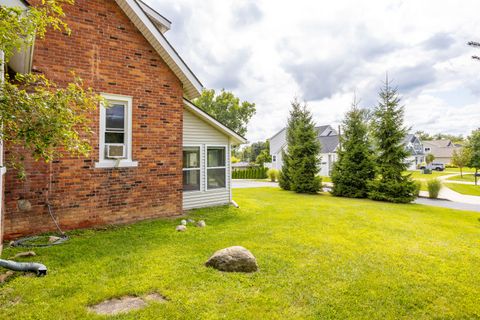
(285, 180)
(388, 132)
(474, 146)
(355, 167)
(301, 161)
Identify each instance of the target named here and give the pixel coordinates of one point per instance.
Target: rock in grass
(201, 224)
(190, 221)
(25, 254)
(53, 239)
(181, 228)
(233, 259)
(183, 222)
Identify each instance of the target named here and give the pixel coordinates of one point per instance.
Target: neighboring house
(414, 146)
(328, 138)
(155, 153)
(441, 149)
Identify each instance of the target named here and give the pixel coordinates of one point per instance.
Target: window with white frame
(216, 167)
(274, 158)
(116, 132)
(191, 168)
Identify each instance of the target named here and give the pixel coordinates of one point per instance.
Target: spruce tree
(285, 180)
(354, 168)
(301, 161)
(388, 132)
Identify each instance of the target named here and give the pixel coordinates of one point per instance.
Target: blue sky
(269, 51)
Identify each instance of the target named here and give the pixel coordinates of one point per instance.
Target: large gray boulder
(233, 259)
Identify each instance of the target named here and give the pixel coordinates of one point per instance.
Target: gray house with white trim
(328, 138)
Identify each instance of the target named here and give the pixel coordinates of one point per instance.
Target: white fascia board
(155, 16)
(236, 138)
(192, 86)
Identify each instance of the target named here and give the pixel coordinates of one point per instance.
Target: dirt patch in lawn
(125, 304)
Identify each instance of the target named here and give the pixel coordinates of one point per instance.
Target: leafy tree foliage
(19, 28)
(227, 109)
(388, 132)
(429, 158)
(461, 158)
(425, 136)
(354, 169)
(37, 116)
(474, 146)
(302, 159)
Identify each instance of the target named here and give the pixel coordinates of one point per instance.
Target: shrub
(418, 187)
(250, 173)
(434, 187)
(272, 174)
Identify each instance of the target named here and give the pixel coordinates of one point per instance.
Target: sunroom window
(191, 168)
(216, 167)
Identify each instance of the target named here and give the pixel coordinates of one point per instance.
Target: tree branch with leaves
(37, 116)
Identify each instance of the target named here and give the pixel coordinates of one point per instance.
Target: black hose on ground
(38, 268)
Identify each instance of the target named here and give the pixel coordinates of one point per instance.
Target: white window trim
(111, 163)
(191, 169)
(225, 167)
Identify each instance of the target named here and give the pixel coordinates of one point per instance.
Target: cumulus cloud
(268, 52)
(247, 14)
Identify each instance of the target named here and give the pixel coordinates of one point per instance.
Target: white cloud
(269, 51)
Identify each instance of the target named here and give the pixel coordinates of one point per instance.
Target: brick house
(155, 153)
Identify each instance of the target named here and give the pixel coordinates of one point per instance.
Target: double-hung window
(116, 132)
(191, 168)
(216, 167)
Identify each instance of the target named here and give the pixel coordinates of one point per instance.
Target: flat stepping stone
(117, 306)
(126, 304)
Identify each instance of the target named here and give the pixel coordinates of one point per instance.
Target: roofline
(156, 12)
(276, 134)
(155, 15)
(214, 122)
(316, 127)
(192, 86)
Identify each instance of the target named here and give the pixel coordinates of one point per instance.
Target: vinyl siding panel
(196, 132)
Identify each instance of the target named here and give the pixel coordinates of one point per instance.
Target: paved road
(448, 204)
(244, 183)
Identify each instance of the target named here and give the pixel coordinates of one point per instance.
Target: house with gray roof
(414, 146)
(441, 149)
(329, 140)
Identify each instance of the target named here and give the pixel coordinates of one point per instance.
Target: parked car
(437, 166)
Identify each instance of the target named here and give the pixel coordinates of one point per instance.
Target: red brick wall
(111, 56)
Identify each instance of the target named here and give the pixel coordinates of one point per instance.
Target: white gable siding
(196, 132)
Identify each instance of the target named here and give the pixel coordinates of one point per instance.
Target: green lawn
(320, 257)
(466, 178)
(450, 170)
(418, 175)
(467, 189)
(326, 179)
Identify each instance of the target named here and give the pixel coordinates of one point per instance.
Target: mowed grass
(465, 178)
(320, 257)
(467, 189)
(453, 170)
(418, 175)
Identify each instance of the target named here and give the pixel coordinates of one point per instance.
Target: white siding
(196, 132)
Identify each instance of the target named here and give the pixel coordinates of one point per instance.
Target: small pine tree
(388, 132)
(285, 179)
(355, 167)
(303, 162)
